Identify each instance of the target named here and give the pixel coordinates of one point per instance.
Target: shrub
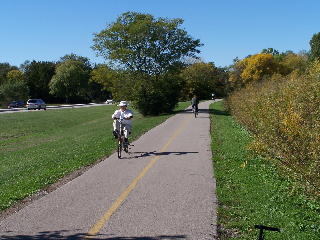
(153, 96)
(283, 114)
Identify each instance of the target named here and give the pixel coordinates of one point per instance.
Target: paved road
(163, 190)
(16, 110)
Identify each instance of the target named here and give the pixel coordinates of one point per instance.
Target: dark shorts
(195, 106)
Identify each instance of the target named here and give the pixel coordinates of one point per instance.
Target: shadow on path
(210, 111)
(155, 153)
(62, 235)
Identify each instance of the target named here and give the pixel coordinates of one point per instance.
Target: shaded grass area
(250, 190)
(38, 148)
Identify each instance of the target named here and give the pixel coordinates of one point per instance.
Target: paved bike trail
(163, 190)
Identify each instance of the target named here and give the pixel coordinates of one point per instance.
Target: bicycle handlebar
(121, 119)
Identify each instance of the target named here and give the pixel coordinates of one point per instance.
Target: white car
(36, 104)
(109, 101)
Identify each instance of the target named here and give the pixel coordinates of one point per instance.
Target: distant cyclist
(195, 102)
(126, 115)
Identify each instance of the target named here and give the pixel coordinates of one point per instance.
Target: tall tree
(315, 46)
(70, 81)
(148, 48)
(38, 75)
(85, 61)
(103, 75)
(15, 76)
(141, 42)
(14, 87)
(200, 79)
(292, 62)
(258, 66)
(4, 69)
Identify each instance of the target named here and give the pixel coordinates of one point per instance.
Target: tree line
(67, 80)
(271, 64)
(150, 61)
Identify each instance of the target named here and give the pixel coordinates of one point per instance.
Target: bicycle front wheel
(119, 149)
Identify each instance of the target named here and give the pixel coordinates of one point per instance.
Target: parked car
(109, 101)
(36, 104)
(16, 104)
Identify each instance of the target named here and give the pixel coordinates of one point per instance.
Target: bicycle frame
(122, 145)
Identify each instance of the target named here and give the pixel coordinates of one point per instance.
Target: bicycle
(122, 144)
(195, 111)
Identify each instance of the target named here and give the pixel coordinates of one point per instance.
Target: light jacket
(126, 114)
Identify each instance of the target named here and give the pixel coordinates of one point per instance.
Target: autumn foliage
(279, 104)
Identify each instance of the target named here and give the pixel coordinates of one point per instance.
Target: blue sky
(45, 30)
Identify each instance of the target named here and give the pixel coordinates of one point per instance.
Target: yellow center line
(116, 204)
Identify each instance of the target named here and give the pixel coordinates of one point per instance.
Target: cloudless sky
(45, 30)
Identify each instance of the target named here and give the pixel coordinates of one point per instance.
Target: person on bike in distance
(195, 102)
(126, 115)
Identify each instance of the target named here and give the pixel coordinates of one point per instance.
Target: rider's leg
(116, 128)
(127, 131)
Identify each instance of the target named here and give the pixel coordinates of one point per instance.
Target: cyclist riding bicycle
(195, 102)
(126, 115)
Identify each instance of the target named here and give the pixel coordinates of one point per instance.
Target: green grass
(250, 190)
(38, 148)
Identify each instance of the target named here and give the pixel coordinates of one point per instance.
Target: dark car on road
(16, 104)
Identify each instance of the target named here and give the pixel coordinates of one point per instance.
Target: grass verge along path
(250, 190)
(38, 148)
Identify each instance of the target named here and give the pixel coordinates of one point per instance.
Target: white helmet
(123, 103)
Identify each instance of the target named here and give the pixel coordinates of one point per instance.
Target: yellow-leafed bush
(284, 115)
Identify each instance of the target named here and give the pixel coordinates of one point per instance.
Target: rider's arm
(128, 115)
(116, 115)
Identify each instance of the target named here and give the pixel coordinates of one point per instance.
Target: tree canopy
(200, 79)
(257, 66)
(70, 80)
(38, 75)
(103, 75)
(84, 60)
(14, 87)
(4, 69)
(147, 53)
(143, 43)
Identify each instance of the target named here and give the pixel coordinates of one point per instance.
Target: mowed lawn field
(37, 148)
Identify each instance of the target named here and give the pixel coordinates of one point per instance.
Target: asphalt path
(163, 189)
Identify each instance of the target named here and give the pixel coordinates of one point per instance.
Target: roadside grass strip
(251, 191)
(39, 148)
